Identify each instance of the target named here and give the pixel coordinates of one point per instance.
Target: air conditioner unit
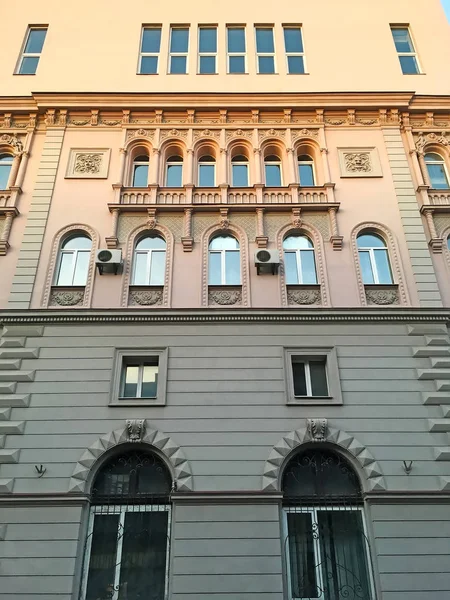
(108, 261)
(267, 261)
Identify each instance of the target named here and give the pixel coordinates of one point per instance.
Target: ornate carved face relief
(358, 162)
(88, 163)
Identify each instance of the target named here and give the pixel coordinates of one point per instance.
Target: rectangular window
(236, 50)
(265, 50)
(127, 549)
(150, 47)
(207, 50)
(140, 377)
(312, 376)
(273, 174)
(326, 551)
(293, 43)
(179, 47)
(405, 50)
(239, 175)
(309, 376)
(206, 175)
(32, 50)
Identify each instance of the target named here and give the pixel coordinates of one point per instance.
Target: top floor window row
(275, 49)
(209, 170)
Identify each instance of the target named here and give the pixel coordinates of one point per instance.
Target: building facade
(224, 301)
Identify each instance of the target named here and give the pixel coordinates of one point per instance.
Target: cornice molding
(210, 315)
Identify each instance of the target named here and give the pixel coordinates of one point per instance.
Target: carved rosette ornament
(318, 429)
(88, 163)
(12, 140)
(66, 297)
(358, 162)
(304, 297)
(382, 297)
(145, 297)
(135, 429)
(224, 297)
(431, 138)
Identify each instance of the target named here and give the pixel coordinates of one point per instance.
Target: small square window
(140, 377)
(312, 376)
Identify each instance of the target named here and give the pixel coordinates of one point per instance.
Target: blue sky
(446, 4)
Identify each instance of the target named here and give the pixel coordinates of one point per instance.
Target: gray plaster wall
(226, 409)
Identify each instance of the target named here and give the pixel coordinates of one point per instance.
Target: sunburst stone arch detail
(175, 457)
(282, 451)
(319, 254)
(57, 241)
(154, 229)
(241, 236)
(394, 259)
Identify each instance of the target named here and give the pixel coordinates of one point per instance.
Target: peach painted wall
(348, 45)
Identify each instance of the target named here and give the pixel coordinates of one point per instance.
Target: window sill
(136, 402)
(314, 401)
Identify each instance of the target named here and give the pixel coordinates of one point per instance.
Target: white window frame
(139, 163)
(280, 166)
(170, 163)
(73, 267)
(306, 362)
(207, 164)
(306, 162)
(298, 263)
(312, 510)
(240, 163)
(121, 510)
(124, 356)
(437, 162)
(140, 364)
(24, 54)
(287, 54)
(186, 54)
(148, 267)
(328, 354)
(371, 250)
(237, 54)
(202, 54)
(412, 54)
(8, 163)
(142, 54)
(263, 54)
(223, 253)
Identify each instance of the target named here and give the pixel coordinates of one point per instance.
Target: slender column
(4, 237)
(187, 240)
(112, 241)
(223, 179)
(335, 239)
(291, 166)
(123, 156)
(261, 239)
(14, 170)
(22, 169)
(154, 168)
(189, 174)
(436, 243)
(423, 168)
(257, 153)
(325, 165)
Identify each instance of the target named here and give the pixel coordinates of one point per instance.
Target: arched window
(437, 171)
(207, 171)
(6, 161)
(149, 261)
(127, 547)
(299, 261)
(224, 261)
(325, 546)
(73, 261)
(306, 170)
(174, 171)
(374, 259)
(239, 171)
(140, 171)
(272, 170)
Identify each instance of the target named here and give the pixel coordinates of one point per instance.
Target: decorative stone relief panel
(224, 297)
(359, 162)
(303, 295)
(442, 222)
(88, 163)
(382, 295)
(66, 296)
(128, 222)
(247, 222)
(145, 296)
(13, 141)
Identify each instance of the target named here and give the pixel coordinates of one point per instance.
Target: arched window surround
(306, 146)
(274, 147)
(133, 238)
(238, 233)
(208, 147)
(394, 257)
(8, 159)
(135, 148)
(434, 147)
(241, 147)
(58, 240)
(322, 279)
(444, 161)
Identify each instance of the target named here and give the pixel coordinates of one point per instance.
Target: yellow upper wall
(93, 45)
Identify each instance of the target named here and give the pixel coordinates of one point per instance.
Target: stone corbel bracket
(317, 432)
(180, 466)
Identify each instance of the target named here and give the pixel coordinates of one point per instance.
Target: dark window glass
(35, 41)
(208, 39)
(102, 564)
(178, 65)
(302, 560)
(236, 39)
(296, 65)
(179, 40)
(264, 40)
(266, 65)
(317, 370)
(299, 374)
(151, 40)
(149, 65)
(293, 39)
(29, 65)
(409, 65)
(207, 65)
(237, 64)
